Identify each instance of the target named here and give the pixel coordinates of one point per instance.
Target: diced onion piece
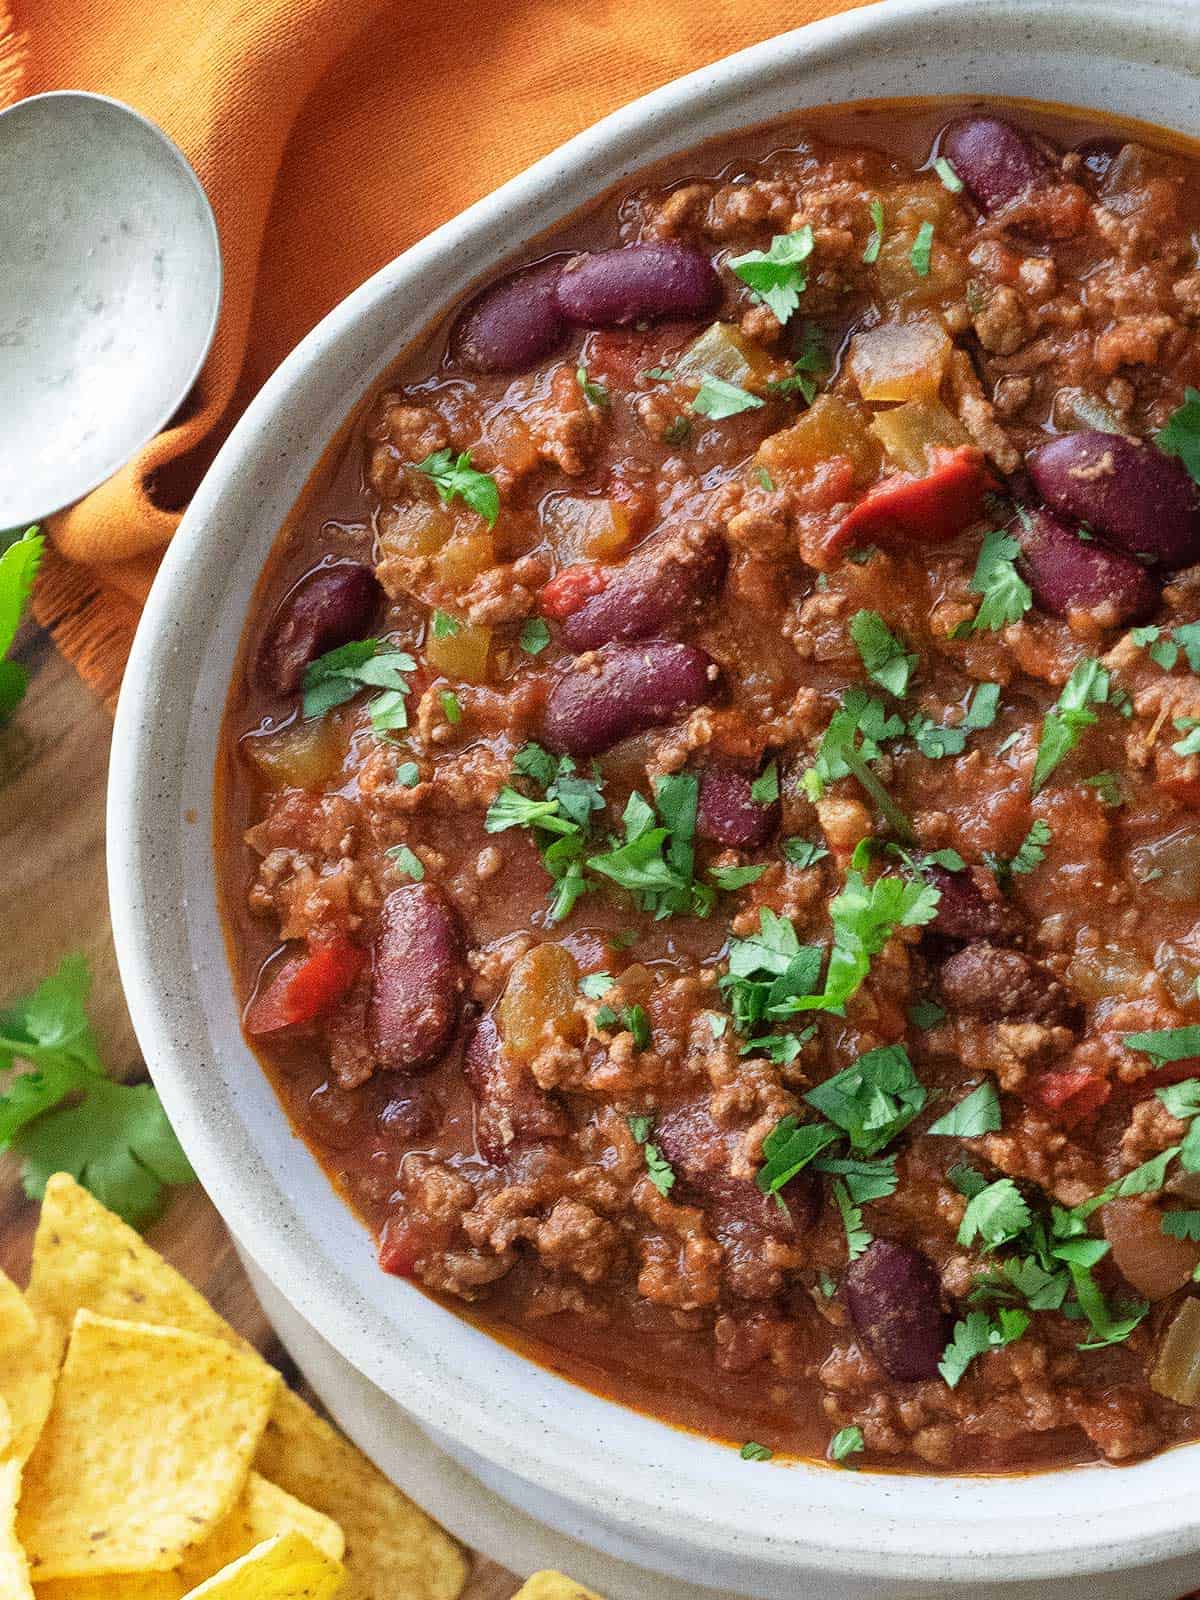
(1076, 411)
(540, 1000)
(908, 432)
(1151, 1261)
(585, 527)
(900, 360)
(301, 756)
(723, 351)
(1170, 865)
(1107, 970)
(417, 528)
(461, 655)
(461, 559)
(828, 428)
(1176, 1372)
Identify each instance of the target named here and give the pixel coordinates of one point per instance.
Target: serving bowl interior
(664, 1492)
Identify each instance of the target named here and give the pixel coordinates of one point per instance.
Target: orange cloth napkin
(330, 135)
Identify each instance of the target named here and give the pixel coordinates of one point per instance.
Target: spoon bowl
(110, 285)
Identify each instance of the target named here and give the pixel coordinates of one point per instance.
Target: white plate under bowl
(666, 1500)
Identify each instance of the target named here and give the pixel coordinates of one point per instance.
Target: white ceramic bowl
(671, 1502)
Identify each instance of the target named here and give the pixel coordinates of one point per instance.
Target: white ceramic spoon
(110, 284)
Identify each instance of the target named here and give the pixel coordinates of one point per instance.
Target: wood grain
(53, 899)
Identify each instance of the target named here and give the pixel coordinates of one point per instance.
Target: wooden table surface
(53, 765)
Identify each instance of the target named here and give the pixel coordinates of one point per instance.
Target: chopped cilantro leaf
(729, 878)
(922, 250)
(456, 479)
(1167, 1044)
(864, 1180)
(1006, 595)
(678, 431)
(764, 478)
(535, 636)
(445, 626)
(340, 674)
(858, 1237)
(18, 568)
(1108, 788)
(934, 741)
(596, 984)
(531, 761)
(1189, 745)
(978, 1113)
(950, 178)
(1187, 637)
(975, 1335)
(839, 755)
(751, 1451)
(778, 276)
(886, 660)
(846, 1442)
(658, 1168)
(875, 243)
(595, 392)
(983, 705)
(1064, 724)
(408, 775)
(407, 862)
(926, 1014)
(788, 1148)
(995, 1215)
(803, 852)
(451, 707)
(1030, 853)
(764, 791)
(873, 1100)
(717, 399)
(1181, 436)
(1182, 1225)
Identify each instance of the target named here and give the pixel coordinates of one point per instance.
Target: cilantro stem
(887, 807)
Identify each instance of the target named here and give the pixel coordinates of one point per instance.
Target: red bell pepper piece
(1071, 1095)
(929, 510)
(306, 986)
(565, 594)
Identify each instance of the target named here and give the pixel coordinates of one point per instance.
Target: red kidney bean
(964, 911)
(418, 980)
(623, 689)
(509, 1105)
(699, 1155)
(656, 590)
(894, 1295)
(999, 985)
(1067, 573)
(513, 323)
(329, 607)
(1126, 490)
(997, 162)
(728, 815)
(637, 284)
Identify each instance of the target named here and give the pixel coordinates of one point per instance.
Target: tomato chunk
(1071, 1095)
(568, 591)
(930, 510)
(306, 986)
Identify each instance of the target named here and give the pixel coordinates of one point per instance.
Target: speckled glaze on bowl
(665, 1500)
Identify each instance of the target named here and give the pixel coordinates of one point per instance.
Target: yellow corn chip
(84, 1257)
(262, 1511)
(288, 1567)
(553, 1586)
(119, 1586)
(145, 1450)
(14, 1569)
(28, 1367)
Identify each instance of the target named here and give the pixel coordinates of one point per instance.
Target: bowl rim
(144, 831)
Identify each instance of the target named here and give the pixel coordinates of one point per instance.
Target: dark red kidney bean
(513, 323)
(624, 689)
(999, 985)
(964, 910)
(509, 1105)
(894, 1295)
(727, 814)
(698, 1152)
(637, 284)
(418, 980)
(1126, 490)
(329, 607)
(656, 590)
(1067, 573)
(997, 162)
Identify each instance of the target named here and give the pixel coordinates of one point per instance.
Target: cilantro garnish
(535, 636)
(1181, 436)
(858, 1237)
(1006, 595)
(873, 1100)
(840, 754)
(658, 1168)
(1064, 723)
(444, 626)
(18, 568)
(678, 430)
(1187, 637)
(846, 1442)
(765, 481)
(766, 970)
(935, 741)
(717, 398)
(595, 392)
(1108, 788)
(655, 860)
(778, 276)
(875, 243)
(408, 775)
(950, 178)
(407, 862)
(1031, 853)
(788, 1148)
(1182, 1225)
(926, 1014)
(922, 250)
(67, 1115)
(451, 706)
(864, 1180)
(1189, 745)
(596, 984)
(764, 791)
(812, 362)
(339, 674)
(729, 878)
(560, 820)
(630, 1019)
(455, 478)
(887, 662)
(1167, 1044)
(978, 1113)
(975, 1335)
(995, 1215)
(751, 1451)
(803, 852)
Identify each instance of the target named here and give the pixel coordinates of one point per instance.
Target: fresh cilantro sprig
(340, 674)
(978, 1112)
(883, 655)
(68, 1115)
(858, 1236)
(921, 254)
(1165, 1045)
(717, 398)
(778, 276)
(975, 1335)
(874, 244)
(1031, 852)
(1064, 724)
(560, 820)
(18, 568)
(1006, 595)
(455, 478)
(846, 1442)
(658, 1168)
(872, 1101)
(812, 363)
(1181, 436)
(849, 744)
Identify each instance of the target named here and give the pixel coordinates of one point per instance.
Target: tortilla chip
(262, 1511)
(85, 1257)
(121, 1586)
(28, 1367)
(14, 1569)
(392, 1547)
(146, 1448)
(288, 1567)
(553, 1586)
